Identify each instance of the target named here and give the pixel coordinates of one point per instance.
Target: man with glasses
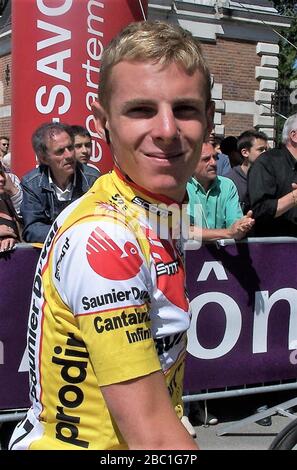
(12, 183)
(4, 145)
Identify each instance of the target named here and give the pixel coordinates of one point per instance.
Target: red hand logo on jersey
(108, 260)
(171, 283)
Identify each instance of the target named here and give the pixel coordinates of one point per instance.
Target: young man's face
(259, 146)
(60, 156)
(157, 121)
(4, 145)
(82, 148)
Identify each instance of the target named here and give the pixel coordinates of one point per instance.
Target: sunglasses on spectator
(5, 145)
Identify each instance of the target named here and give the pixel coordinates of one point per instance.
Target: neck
(245, 167)
(62, 181)
(204, 183)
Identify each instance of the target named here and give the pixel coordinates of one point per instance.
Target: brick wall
(5, 95)
(235, 124)
(5, 127)
(233, 64)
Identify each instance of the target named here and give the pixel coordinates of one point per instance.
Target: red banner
(56, 51)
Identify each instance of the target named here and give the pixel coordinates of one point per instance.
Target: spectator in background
(217, 202)
(272, 187)
(250, 145)
(82, 144)
(223, 163)
(229, 147)
(214, 207)
(59, 180)
(9, 227)
(4, 146)
(6, 161)
(12, 188)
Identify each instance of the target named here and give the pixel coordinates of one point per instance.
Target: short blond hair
(157, 42)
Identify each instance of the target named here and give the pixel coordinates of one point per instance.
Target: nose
(165, 126)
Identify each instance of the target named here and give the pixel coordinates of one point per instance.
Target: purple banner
(16, 279)
(244, 325)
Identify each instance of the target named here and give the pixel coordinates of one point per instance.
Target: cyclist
(108, 318)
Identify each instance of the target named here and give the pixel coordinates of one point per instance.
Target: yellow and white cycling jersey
(108, 305)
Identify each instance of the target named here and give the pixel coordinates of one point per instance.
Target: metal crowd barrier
(243, 331)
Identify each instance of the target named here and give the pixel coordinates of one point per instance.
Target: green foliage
(286, 7)
(288, 53)
(284, 104)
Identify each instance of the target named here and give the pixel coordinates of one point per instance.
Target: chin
(169, 187)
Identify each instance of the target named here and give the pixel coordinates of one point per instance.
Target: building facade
(241, 48)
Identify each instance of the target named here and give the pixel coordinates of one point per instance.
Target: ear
(209, 120)
(245, 153)
(42, 159)
(100, 118)
(293, 135)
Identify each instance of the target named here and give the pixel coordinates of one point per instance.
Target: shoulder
(192, 189)
(223, 157)
(231, 173)
(33, 175)
(89, 170)
(191, 184)
(225, 182)
(235, 174)
(268, 162)
(101, 242)
(270, 156)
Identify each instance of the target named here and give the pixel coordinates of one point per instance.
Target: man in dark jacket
(250, 145)
(272, 187)
(59, 180)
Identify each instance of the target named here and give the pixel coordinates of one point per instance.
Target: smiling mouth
(165, 156)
